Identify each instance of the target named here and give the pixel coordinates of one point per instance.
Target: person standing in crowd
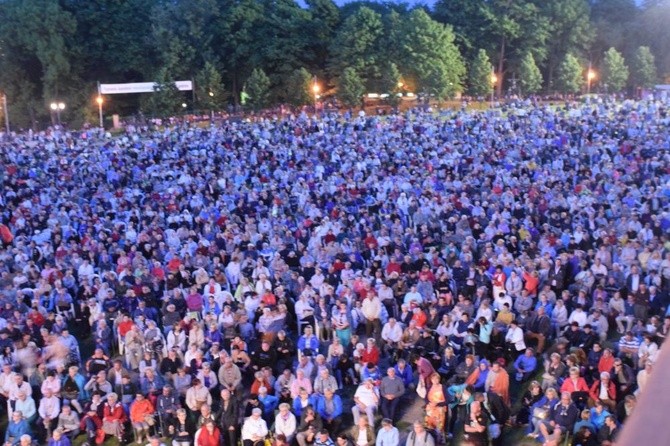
(391, 391)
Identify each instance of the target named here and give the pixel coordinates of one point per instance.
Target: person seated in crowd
(285, 423)
(309, 426)
(141, 417)
(525, 365)
(375, 267)
(17, 427)
(562, 418)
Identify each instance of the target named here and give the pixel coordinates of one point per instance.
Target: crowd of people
(267, 281)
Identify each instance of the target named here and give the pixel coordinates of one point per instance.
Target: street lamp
(315, 89)
(58, 107)
(99, 100)
(494, 80)
(6, 112)
(590, 76)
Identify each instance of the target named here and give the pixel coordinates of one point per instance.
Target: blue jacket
(528, 364)
(15, 430)
(297, 406)
(270, 403)
(64, 441)
(320, 407)
(406, 375)
(158, 384)
(313, 344)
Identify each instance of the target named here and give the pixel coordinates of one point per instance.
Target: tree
(480, 75)
(350, 88)
(507, 29)
(236, 39)
(282, 44)
(614, 22)
(643, 72)
(166, 99)
(183, 34)
(299, 88)
(570, 79)
(570, 30)
(530, 77)
(429, 56)
(209, 88)
(357, 44)
(37, 58)
(390, 83)
(258, 89)
(325, 18)
(615, 71)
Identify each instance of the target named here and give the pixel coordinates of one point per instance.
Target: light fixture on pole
(99, 100)
(58, 107)
(590, 76)
(6, 112)
(315, 89)
(494, 80)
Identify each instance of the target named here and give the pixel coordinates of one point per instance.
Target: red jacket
(115, 413)
(569, 386)
(595, 391)
(606, 364)
(370, 356)
(207, 439)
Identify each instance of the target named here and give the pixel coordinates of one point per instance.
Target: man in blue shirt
(388, 434)
(404, 372)
(329, 407)
(16, 427)
(525, 365)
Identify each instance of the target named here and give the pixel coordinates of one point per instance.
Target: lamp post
(494, 80)
(6, 111)
(58, 107)
(315, 89)
(590, 76)
(99, 100)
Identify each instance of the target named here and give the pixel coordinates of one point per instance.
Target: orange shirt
(140, 409)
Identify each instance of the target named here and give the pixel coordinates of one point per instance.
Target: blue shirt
(406, 374)
(320, 407)
(15, 430)
(389, 437)
(528, 364)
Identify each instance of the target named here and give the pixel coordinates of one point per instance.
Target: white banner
(140, 87)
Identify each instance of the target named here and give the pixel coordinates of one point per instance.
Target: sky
(409, 2)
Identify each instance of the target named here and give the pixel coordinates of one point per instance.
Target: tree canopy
(59, 49)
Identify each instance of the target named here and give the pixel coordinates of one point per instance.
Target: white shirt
(392, 333)
(371, 308)
(515, 336)
(5, 381)
(367, 396)
(300, 308)
(49, 408)
(254, 427)
(14, 390)
(285, 426)
(578, 316)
